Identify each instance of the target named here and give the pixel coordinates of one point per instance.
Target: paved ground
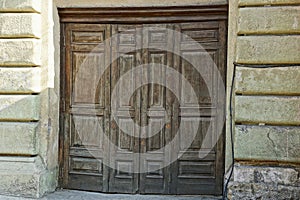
(79, 195)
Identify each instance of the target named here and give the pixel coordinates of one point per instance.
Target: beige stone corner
(20, 52)
(19, 107)
(268, 49)
(20, 80)
(267, 143)
(276, 81)
(18, 138)
(22, 176)
(278, 110)
(20, 25)
(269, 20)
(20, 5)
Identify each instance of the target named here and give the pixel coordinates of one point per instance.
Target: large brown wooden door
(91, 71)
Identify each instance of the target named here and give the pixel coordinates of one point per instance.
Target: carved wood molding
(143, 14)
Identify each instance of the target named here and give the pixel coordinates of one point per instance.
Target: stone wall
(266, 100)
(26, 168)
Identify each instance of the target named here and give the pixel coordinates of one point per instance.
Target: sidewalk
(79, 195)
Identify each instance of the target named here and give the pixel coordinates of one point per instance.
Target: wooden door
(192, 174)
(126, 55)
(91, 72)
(156, 109)
(85, 112)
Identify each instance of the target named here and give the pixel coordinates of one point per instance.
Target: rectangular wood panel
(86, 79)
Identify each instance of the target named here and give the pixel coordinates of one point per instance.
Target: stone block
(264, 182)
(20, 52)
(20, 80)
(253, 191)
(18, 138)
(20, 5)
(266, 174)
(267, 2)
(278, 110)
(19, 107)
(20, 176)
(268, 143)
(268, 49)
(288, 192)
(281, 80)
(20, 25)
(269, 20)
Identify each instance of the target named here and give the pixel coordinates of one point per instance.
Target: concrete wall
(266, 100)
(28, 115)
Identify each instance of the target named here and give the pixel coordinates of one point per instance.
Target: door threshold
(66, 194)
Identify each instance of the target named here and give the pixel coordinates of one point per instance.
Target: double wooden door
(96, 154)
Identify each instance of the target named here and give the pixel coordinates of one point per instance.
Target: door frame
(132, 15)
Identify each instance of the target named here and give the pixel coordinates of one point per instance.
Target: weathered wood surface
(87, 102)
